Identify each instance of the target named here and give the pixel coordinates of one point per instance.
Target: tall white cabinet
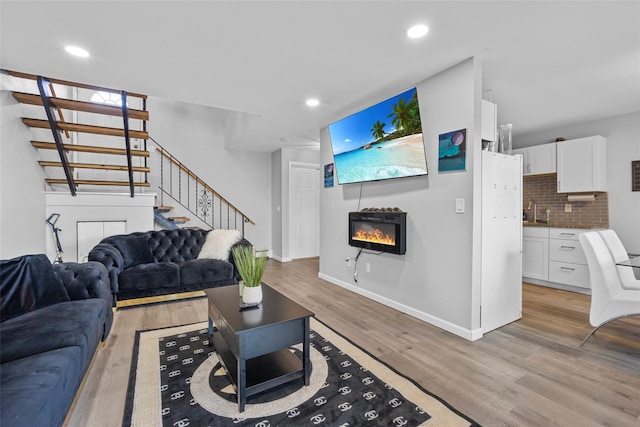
(489, 126)
(501, 240)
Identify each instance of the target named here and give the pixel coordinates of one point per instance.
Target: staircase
(109, 162)
(180, 185)
(100, 142)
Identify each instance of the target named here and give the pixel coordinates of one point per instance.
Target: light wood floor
(529, 373)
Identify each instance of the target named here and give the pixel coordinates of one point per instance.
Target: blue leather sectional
(53, 317)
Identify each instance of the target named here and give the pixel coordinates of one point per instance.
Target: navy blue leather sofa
(53, 317)
(162, 262)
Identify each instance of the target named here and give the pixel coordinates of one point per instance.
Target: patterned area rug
(177, 380)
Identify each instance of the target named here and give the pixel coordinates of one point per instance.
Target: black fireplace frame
(397, 219)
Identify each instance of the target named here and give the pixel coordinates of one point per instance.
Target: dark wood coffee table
(252, 344)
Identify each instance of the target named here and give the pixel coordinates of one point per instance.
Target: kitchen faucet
(532, 203)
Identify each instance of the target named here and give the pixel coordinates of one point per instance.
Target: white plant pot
(252, 295)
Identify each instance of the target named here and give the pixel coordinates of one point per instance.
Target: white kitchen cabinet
(535, 253)
(567, 262)
(554, 257)
(489, 121)
(582, 165)
(538, 160)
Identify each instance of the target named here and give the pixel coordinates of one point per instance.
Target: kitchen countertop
(560, 225)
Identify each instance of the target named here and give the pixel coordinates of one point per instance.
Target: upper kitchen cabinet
(582, 165)
(538, 160)
(489, 121)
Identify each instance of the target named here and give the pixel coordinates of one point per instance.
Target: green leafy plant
(250, 267)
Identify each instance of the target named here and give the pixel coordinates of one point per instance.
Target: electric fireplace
(379, 231)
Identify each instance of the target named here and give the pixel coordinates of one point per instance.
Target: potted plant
(251, 269)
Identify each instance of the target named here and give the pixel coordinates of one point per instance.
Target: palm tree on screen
(401, 116)
(378, 129)
(405, 116)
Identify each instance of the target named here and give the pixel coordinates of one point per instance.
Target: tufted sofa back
(177, 245)
(137, 248)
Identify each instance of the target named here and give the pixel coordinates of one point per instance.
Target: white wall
(623, 146)
(280, 202)
(23, 228)
(194, 134)
(137, 212)
(437, 279)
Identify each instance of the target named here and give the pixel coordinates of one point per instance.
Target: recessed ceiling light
(417, 31)
(76, 51)
(312, 102)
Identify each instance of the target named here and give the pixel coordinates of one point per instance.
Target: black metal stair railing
(127, 141)
(180, 184)
(45, 94)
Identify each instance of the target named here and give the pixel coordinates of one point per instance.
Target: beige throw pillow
(219, 243)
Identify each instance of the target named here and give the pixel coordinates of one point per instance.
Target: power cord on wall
(355, 266)
(360, 251)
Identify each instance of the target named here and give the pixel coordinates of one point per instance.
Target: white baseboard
(577, 289)
(469, 334)
(277, 258)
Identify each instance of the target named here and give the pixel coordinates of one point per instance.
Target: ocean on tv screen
(396, 158)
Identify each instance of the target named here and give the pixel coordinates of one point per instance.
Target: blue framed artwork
(328, 175)
(452, 151)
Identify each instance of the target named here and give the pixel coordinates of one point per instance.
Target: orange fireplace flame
(375, 236)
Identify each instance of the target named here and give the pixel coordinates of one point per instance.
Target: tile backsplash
(543, 189)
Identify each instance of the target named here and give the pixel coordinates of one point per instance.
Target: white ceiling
(546, 64)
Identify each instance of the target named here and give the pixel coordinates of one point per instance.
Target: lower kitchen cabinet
(535, 253)
(554, 257)
(567, 262)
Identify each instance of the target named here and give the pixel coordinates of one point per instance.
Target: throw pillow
(28, 283)
(218, 244)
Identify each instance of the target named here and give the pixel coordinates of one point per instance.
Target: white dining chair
(609, 300)
(619, 254)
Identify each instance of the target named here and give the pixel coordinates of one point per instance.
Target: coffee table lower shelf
(262, 372)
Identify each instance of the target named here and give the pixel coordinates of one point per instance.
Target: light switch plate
(460, 206)
(568, 207)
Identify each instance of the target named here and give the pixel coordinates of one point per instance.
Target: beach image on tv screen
(384, 141)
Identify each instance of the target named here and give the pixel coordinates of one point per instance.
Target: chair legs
(601, 325)
(590, 333)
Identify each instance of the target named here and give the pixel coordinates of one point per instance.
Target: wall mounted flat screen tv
(381, 142)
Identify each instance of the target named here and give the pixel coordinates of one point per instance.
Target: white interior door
(304, 212)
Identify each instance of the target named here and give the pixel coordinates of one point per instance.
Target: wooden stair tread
(72, 84)
(45, 163)
(164, 208)
(76, 127)
(88, 107)
(96, 182)
(179, 219)
(89, 149)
